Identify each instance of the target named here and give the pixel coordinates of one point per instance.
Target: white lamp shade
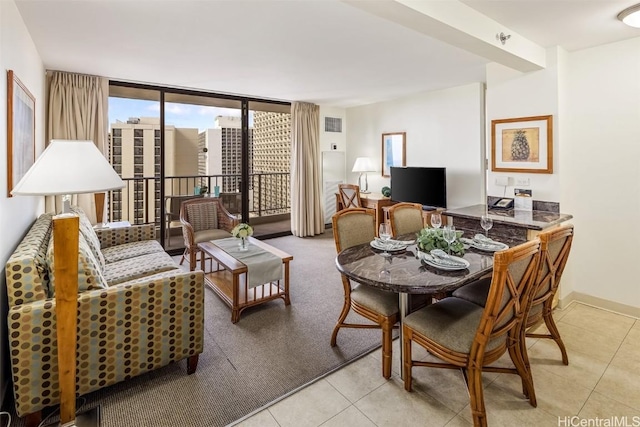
(363, 164)
(631, 16)
(69, 167)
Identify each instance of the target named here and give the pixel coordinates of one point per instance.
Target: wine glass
(436, 220)
(486, 223)
(384, 231)
(449, 235)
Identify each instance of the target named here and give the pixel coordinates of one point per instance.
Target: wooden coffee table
(228, 278)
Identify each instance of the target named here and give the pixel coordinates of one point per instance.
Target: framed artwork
(21, 135)
(523, 144)
(393, 151)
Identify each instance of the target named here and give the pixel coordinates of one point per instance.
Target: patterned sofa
(137, 311)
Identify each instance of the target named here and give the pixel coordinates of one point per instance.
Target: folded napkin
(441, 257)
(402, 242)
(390, 245)
(481, 238)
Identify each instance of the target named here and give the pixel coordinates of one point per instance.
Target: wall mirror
(393, 151)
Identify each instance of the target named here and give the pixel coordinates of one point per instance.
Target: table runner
(262, 266)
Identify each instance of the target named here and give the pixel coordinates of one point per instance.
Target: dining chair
(405, 218)
(172, 217)
(202, 220)
(352, 227)
(469, 337)
(349, 196)
(555, 245)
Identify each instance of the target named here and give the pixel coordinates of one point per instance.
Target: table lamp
(66, 168)
(363, 165)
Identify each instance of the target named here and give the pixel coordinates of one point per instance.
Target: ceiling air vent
(332, 124)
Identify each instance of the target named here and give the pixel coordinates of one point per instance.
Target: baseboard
(602, 303)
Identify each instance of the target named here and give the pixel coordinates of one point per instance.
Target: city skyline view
(179, 115)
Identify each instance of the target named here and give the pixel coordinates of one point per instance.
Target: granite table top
(406, 273)
(532, 220)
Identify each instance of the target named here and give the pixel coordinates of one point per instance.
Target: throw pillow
(86, 229)
(89, 273)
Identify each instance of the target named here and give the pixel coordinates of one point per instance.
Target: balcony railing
(139, 201)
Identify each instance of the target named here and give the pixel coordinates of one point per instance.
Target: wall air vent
(333, 124)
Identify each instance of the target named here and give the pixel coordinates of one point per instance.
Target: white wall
(327, 139)
(444, 128)
(594, 95)
(512, 94)
(600, 167)
(17, 53)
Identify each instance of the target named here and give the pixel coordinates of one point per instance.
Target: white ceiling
(323, 51)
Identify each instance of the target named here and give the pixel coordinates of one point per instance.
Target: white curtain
(307, 218)
(77, 110)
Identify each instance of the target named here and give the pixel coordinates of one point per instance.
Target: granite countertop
(533, 220)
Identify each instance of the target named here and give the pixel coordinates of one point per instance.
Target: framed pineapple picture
(523, 144)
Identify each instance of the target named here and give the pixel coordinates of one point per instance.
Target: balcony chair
(203, 219)
(405, 218)
(555, 245)
(352, 227)
(172, 218)
(349, 196)
(469, 337)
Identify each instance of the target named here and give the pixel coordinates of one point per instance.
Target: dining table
(404, 272)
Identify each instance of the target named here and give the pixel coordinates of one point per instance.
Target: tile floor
(602, 381)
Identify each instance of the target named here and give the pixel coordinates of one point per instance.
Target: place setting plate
(447, 264)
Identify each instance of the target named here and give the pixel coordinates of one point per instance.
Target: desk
(372, 201)
(408, 275)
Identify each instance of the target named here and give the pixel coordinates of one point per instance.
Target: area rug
(272, 351)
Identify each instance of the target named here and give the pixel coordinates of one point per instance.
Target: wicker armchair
(405, 218)
(555, 245)
(203, 220)
(349, 196)
(469, 337)
(352, 227)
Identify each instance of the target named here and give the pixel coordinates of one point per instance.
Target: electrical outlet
(334, 146)
(502, 181)
(522, 182)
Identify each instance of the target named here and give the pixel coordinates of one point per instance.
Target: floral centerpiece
(242, 231)
(431, 238)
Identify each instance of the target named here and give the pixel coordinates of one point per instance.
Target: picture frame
(394, 151)
(523, 144)
(21, 135)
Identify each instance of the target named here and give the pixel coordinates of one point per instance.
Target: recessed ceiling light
(631, 16)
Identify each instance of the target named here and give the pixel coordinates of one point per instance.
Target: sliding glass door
(170, 145)
(202, 155)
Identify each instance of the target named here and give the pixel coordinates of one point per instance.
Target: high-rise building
(271, 161)
(135, 156)
(221, 154)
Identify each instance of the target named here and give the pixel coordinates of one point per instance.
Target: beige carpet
(270, 352)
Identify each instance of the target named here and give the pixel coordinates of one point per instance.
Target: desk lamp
(363, 165)
(66, 168)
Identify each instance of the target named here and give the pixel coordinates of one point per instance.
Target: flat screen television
(424, 185)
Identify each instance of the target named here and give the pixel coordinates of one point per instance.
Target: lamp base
(88, 418)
